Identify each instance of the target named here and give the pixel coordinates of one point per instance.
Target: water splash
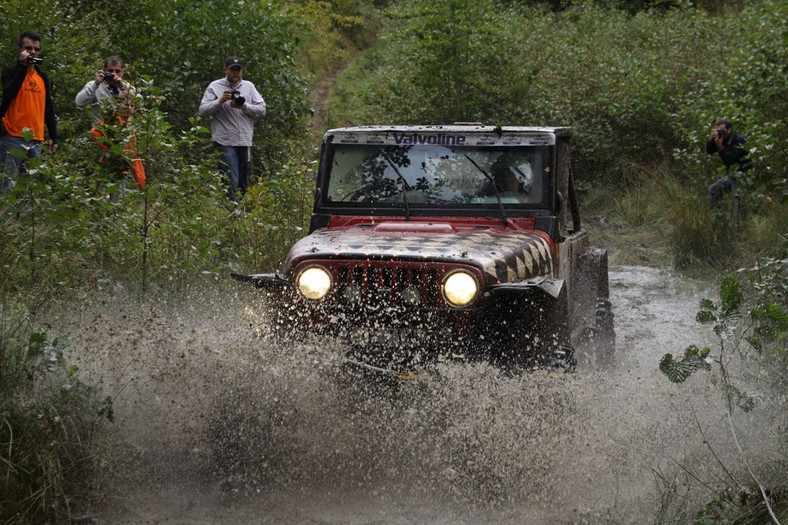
(217, 422)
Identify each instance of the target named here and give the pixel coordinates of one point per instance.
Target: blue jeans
(235, 163)
(12, 166)
(728, 184)
(724, 185)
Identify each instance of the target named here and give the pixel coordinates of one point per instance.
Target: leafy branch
(763, 329)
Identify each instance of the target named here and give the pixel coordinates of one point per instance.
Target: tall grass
(48, 419)
(656, 218)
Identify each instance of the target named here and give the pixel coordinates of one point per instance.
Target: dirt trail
(321, 91)
(319, 97)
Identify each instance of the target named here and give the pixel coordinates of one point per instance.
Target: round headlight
(314, 283)
(460, 288)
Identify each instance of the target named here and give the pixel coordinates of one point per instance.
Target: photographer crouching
(727, 143)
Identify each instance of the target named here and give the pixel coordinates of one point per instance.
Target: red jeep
(445, 242)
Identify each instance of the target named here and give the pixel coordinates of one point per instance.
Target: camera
(34, 60)
(109, 78)
(720, 133)
(236, 97)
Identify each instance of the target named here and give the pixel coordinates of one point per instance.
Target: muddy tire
(593, 334)
(603, 336)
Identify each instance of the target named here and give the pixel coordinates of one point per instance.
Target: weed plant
(747, 368)
(48, 419)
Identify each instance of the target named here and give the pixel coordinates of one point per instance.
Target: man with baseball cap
(233, 105)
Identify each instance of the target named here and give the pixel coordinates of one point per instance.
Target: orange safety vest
(137, 169)
(28, 108)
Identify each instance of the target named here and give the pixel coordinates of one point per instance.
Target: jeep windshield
(432, 175)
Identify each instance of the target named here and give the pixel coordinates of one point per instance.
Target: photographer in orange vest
(27, 104)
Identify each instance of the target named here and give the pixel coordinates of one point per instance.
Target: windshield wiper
(404, 183)
(495, 186)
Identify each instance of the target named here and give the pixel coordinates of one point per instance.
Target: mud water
(216, 422)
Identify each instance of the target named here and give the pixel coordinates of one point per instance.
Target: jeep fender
(528, 318)
(552, 287)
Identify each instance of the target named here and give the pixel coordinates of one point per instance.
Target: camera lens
(236, 97)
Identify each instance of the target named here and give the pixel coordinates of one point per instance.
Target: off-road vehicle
(460, 241)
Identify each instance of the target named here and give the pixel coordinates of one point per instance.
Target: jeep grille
(385, 284)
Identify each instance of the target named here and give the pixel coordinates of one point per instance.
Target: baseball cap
(234, 61)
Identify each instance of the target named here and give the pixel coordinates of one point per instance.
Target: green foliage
(181, 46)
(638, 90)
(751, 91)
(276, 216)
(753, 351)
(47, 420)
(679, 370)
(79, 216)
(765, 332)
(328, 31)
(726, 317)
(442, 62)
(770, 282)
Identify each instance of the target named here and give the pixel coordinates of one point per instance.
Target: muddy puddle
(218, 423)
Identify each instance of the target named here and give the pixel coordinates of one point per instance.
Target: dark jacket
(13, 77)
(731, 152)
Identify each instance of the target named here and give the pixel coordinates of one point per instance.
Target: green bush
(638, 90)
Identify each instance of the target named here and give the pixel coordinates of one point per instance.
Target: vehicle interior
(430, 176)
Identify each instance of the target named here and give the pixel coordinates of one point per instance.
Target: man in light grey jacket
(108, 83)
(233, 105)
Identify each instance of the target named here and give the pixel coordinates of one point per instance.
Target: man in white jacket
(108, 83)
(233, 105)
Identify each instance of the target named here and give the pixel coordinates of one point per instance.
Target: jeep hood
(504, 255)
